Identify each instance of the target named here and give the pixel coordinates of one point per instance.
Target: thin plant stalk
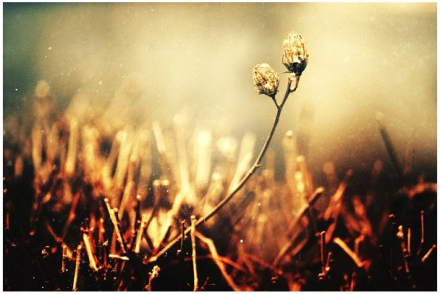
(252, 170)
(92, 260)
(194, 253)
(63, 259)
(322, 239)
(140, 233)
(338, 241)
(422, 228)
(77, 265)
(217, 261)
(114, 220)
(428, 253)
(285, 249)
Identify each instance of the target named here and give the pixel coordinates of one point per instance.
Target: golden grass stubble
(77, 266)
(63, 258)
(115, 223)
(89, 250)
(140, 234)
(303, 210)
(335, 206)
(194, 253)
(126, 145)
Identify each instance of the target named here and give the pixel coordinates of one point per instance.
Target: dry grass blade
(63, 259)
(90, 255)
(389, 145)
(284, 250)
(337, 197)
(71, 216)
(194, 253)
(77, 265)
(323, 261)
(140, 234)
(426, 256)
(422, 229)
(114, 220)
(338, 241)
(218, 261)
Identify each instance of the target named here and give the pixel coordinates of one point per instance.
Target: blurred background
(364, 58)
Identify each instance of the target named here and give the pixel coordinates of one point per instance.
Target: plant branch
(251, 171)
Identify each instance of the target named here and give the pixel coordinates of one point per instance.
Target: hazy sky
(364, 58)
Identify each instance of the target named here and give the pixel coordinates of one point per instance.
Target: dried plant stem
(240, 185)
(194, 254)
(322, 243)
(63, 259)
(422, 228)
(77, 264)
(114, 220)
(136, 225)
(218, 261)
(338, 241)
(428, 253)
(140, 233)
(389, 145)
(285, 249)
(154, 274)
(156, 193)
(52, 233)
(92, 260)
(71, 216)
(182, 231)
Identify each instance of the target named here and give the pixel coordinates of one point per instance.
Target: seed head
(295, 56)
(266, 80)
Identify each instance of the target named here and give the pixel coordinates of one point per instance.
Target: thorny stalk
(252, 170)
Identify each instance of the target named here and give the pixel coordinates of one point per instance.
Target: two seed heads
(295, 58)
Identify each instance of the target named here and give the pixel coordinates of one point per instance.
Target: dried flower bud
(295, 56)
(266, 80)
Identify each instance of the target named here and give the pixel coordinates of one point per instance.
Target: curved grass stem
(251, 171)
